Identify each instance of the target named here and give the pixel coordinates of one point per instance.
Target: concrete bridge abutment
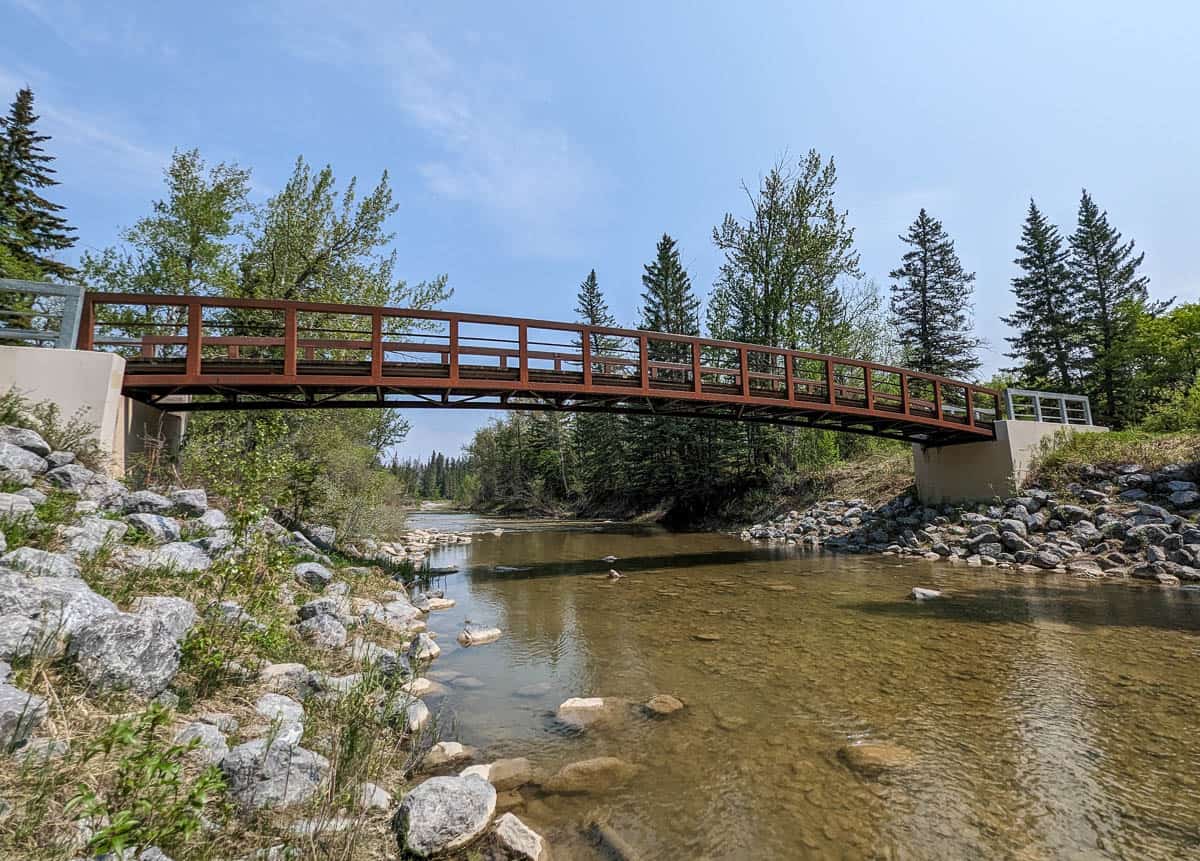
(88, 384)
(980, 470)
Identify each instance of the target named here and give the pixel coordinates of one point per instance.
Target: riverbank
(1099, 506)
(179, 679)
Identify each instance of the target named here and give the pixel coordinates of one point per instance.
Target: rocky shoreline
(1118, 521)
(255, 661)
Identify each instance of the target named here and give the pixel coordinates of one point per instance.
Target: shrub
(142, 797)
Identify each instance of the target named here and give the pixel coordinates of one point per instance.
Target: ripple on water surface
(1039, 717)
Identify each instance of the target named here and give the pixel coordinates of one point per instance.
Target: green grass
(1062, 465)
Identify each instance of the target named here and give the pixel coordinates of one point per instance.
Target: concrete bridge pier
(981, 470)
(90, 383)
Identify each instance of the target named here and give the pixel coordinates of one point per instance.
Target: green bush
(142, 797)
(74, 434)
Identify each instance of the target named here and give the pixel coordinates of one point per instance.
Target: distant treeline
(1084, 322)
(438, 477)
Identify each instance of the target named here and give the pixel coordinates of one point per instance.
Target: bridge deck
(267, 354)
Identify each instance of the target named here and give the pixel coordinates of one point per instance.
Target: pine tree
(931, 301)
(36, 230)
(1106, 272)
(1047, 341)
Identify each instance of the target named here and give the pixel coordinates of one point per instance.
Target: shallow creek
(1047, 718)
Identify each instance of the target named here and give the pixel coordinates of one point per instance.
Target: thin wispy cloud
(496, 152)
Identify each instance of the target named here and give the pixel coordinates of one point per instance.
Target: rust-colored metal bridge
(270, 354)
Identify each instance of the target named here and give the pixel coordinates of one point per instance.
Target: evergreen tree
(33, 230)
(600, 438)
(1047, 341)
(664, 456)
(931, 301)
(668, 304)
(1111, 296)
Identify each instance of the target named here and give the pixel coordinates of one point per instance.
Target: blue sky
(528, 143)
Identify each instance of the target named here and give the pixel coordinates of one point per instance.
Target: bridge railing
(1030, 405)
(178, 342)
(40, 313)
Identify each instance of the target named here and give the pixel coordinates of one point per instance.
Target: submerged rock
(584, 712)
(519, 841)
(661, 705)
(875, 757)
(601, 774)
(443, 814)
(920, 593)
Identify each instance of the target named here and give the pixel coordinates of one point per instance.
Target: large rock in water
(875, 757)
(126, 652)
(519, 841)
(443, 814)
(600, 774)
(20, 714)
(268, 773)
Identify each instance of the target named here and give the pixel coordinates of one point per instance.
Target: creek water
(1046, 717)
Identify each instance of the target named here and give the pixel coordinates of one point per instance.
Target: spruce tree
(931, 302)
(36, 231)
(668, 304)
(1109, 288)
(600, 438)
(664, 461)
(1047, 341)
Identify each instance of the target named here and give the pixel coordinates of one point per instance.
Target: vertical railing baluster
(830, 397)
(904, 393)
(289, 341)
(869, 387)
(453, 350)
(644, 361)
(377, 347)
(523, 352)
(745, 364)
(696, 367)
(937, 400)
(789, 376)
(194, 322)
(585, 350)
(970, 406)
(87, 324)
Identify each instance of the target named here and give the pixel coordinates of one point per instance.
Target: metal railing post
(585, 346)
(1087, 410)
(1008, 404)
(1037, 407)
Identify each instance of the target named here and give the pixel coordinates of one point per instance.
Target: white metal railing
(51, 315)
(1028, 405)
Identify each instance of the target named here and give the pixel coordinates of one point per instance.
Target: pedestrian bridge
(187, 353)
